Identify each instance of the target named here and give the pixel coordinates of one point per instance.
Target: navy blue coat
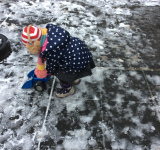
(64, 52)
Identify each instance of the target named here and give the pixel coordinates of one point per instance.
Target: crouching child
(60, 54)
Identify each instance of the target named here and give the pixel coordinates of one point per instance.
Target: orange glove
(40, 73)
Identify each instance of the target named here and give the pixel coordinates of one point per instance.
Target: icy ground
(118, 107)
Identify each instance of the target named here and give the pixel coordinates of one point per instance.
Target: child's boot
(76, 82)
(66, 90)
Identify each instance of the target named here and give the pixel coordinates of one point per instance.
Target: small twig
(5, 19)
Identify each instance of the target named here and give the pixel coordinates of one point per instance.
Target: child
(67, 57)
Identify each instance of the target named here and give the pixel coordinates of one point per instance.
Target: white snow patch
(155, 79)
(119, 98)
(152, 3)
(122, 79)
(77, 140)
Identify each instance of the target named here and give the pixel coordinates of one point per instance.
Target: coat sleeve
(51, 55)
(53, 61)
(57, 39)
(40, 71)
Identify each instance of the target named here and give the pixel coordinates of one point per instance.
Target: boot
(66, 90)
(76, 82)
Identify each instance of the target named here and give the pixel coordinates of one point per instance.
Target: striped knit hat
(35, 34)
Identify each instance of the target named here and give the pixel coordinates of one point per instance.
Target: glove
(40, 73)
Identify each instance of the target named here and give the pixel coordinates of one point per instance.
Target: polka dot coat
(64, 52)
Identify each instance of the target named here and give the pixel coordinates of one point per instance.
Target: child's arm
(40, 71)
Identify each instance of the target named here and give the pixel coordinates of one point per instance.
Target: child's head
(31, 36)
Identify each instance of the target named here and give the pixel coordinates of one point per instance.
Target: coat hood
(57, 38)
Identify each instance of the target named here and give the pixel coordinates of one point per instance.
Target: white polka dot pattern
(64, 52)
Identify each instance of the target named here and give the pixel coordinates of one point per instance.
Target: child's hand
(40, 73)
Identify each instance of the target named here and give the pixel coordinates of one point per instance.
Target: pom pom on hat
(35, 34)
